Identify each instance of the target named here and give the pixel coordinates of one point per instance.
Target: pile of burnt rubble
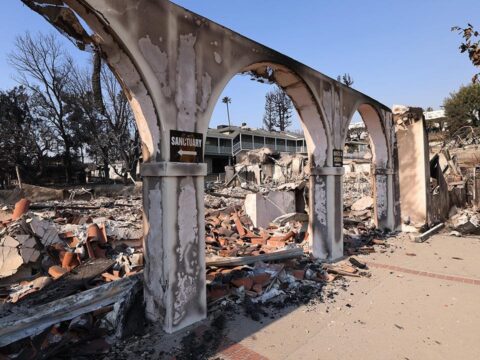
(58, 260)
(265, 263)
(45, 245)
(89, 253)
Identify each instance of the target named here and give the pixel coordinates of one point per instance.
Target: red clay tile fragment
(288, 235)
(21, 207)
(258, 241)
(56, 271)
(276, 241)
(240, 229)
(257, 288)
(298, 274)
(95, 233)
(261, 279)
(70, 261)
(246, 282)
(216, 292)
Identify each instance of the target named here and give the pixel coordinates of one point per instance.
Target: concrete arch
(375, 124)
(382, 162)
(173, 65)
(312, 117)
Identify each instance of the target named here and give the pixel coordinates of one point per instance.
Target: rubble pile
(58, 239)
(231, 233)
(269, 266)
(357, 196)
(62, 255)
(288, 282)
(466, 221)
(89, 253)
(217, 196)
(268, 167)
(359, 239)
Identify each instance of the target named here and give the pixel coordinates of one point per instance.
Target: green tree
(226, 100)
(471, 46)
(463, 107)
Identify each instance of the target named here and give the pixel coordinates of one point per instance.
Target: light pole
(226, 100)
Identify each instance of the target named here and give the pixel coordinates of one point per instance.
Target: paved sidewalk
(422, 302)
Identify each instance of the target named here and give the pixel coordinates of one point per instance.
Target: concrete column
(174, 243)
(326, 212)
(384, 198)
(413, 164)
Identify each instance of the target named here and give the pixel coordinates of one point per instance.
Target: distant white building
(226, 142)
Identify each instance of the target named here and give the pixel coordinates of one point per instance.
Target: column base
(326, 213)
(174, 244)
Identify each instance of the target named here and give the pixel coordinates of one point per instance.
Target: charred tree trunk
(67, 162)
(97, 82)
(106, 170)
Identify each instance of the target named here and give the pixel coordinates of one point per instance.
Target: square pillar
(174, 243)
(413, 164)
(384, 199)
(326, 213)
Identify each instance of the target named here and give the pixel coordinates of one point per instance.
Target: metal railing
(236, 148)
(214, 149)
(211, 149)
(225, 150)
(247, 145)
(244, 145)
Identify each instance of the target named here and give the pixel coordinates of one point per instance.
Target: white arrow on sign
(186, 152)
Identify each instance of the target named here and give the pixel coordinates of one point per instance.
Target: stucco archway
(173, 65)
(325, 238)
(382, 162)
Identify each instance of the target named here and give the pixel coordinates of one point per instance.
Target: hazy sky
(398, 52)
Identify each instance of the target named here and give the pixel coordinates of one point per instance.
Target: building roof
(229, 132)
(434, 115)
(357, 125)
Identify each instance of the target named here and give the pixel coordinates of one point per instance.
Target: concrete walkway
(422, 302)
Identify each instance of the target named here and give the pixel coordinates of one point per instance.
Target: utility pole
(226, 100)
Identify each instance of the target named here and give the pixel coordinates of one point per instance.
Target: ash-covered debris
(58, 253)
(465, 221)
(257, 256)
(264, 288)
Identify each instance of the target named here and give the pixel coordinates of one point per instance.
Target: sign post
(337, 158)
(186, 146)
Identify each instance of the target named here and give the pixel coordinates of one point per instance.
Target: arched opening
(269, 167)
(357, 180)
(250, 116)
(253, 113)
(368, 157)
